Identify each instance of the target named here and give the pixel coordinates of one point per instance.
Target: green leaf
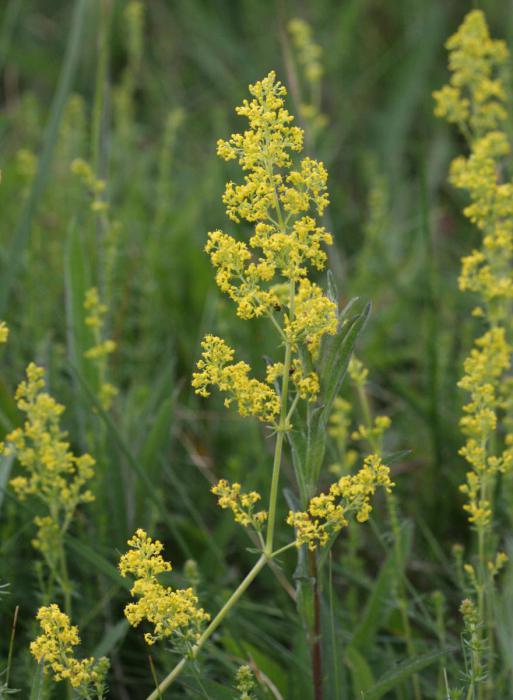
(36, 689)
(402, 672)
(361, 673)
(98, 562)
(378, 606)
(111, 638)
(76, 282)
(22, 231)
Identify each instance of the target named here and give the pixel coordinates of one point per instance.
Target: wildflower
(475, 93)
(476, 99)
(53, 473)
(328, 513)
(173, 613)
(102, 347)
(95, 186)
(241, 504)
(4, 332)
(373, 433)
(245, 682)
(357, 371)
(315, 316)
(309, 57)
(280, 201)
(55, 648)
(216, 369)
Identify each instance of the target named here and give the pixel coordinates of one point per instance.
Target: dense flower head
(173, 613)
(315, 316)
(55, 648)
(306, 384)
(241, 504)
(144, 559)
(52, 472)
(245, 683)
(281, 199)
(476, 93)
(252, 397)
(328, 513)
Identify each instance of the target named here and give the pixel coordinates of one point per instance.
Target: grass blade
(22, 231)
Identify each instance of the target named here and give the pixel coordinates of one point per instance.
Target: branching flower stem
(267, 554)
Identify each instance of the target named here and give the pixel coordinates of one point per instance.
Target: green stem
(101, 84)
(243, 586)
(282, 428)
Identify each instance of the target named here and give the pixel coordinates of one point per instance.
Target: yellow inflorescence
(328, 513)
(54, 474)
(282, 202)
(372, 434)
(94, 185)
(4, 332)
(103, 347)
(55, 648)
(476, 100)
(473, 99)
(245, 683)
(242, 505)
(253, 398)
(309, 58)
(173, 613)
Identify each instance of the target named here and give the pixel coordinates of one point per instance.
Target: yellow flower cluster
(4, 332)
(373, 433)
(95, 186)
(309, 53)
(309, 58)
(315, 316)
(102, 348)
(484, 368)
(241, 504)
(475, 99)
(55, 475)
(55, 648)
(253, 398)
(307, 385)
(173, 613)
(245, 683)
(357, 371)
(327, 513)
(276, 198)
(338, 429)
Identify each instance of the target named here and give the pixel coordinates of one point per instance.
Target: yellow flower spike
(55, 648)
(52, 471)
(251, 396)
(476, 100)
(102, 348)
(4, 332)
(280, 201)
(241, 504)
(327, 514)
(173, 613)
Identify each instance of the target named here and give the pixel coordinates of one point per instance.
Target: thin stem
(11, 646)
(283, 426)
(243, 586)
